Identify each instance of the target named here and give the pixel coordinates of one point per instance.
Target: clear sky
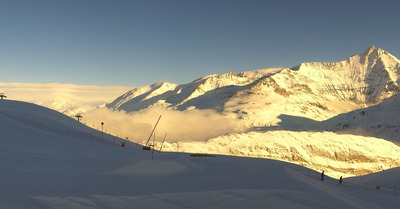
(136, 43)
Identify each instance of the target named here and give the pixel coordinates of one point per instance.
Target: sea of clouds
(191, 125)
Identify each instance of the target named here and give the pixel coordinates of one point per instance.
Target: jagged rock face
(308, 90)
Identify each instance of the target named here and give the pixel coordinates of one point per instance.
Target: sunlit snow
(42, 169)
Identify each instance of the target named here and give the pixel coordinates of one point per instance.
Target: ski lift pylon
(147, 146)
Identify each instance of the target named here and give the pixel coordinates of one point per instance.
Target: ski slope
(42, 169)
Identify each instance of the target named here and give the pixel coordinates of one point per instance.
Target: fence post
(68, 132)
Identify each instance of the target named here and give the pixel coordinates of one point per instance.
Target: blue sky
(136, 43)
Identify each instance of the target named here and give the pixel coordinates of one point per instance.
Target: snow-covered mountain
(291, 114)
(381, 120)
(42, 168)
(317, 91)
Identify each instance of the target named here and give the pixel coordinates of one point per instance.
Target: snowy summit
(292, 114)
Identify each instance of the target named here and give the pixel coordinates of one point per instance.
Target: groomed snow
(40, 169)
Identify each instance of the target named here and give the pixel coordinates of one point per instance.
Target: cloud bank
(61, 97)
(192, 125)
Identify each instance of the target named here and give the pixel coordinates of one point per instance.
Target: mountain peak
(371, 53)
(368, 51)
(372, 47)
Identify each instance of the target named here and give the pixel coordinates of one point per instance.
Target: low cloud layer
(193, 125)
(178, 125)
(61, 97)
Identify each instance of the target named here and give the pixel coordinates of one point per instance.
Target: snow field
(39, 170)
(281, 104)
(338, 154)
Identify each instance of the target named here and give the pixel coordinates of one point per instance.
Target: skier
(340, 180)
(322, 176)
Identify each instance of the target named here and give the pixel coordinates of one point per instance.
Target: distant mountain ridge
(367, 78)
(327, 116)
(314, 90)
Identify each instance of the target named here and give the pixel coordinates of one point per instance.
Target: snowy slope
(314, 90)
(301, 114)
(51, 121)
(337, 154)
(40, 169)
(381, 121)
(208, 92)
